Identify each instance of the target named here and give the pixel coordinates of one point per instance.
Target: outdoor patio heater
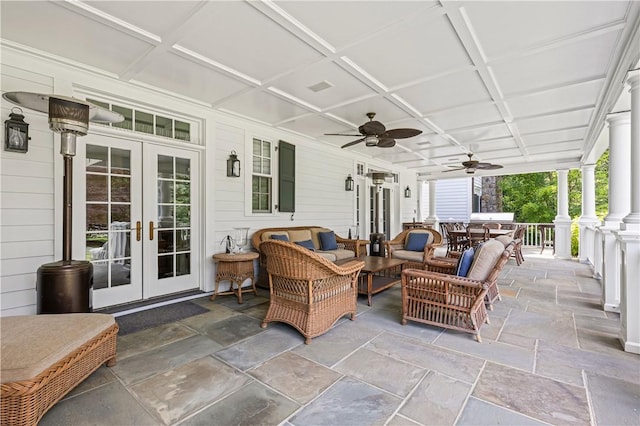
(65, 286)
(377, 238)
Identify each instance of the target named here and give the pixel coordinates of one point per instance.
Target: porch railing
(532, 236)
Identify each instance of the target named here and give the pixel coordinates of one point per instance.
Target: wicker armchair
(395, 248)
(307, 291)
(490, 277)
(443, 300)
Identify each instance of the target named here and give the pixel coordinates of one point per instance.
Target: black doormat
(157, 316)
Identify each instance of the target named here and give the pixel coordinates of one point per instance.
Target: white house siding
(26, 200)
(453, 199)
(31, 184)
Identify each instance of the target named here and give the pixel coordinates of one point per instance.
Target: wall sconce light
(348, 183)
(16, 132)
(407, 192)
(233, 165)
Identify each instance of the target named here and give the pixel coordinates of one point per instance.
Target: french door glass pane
(108, 215)
(174, 216)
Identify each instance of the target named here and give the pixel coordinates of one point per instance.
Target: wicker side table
(235, 268)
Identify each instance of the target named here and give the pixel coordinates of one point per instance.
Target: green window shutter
(286, 177)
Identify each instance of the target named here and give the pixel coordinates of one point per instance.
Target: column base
(609, 307)
(632, 347)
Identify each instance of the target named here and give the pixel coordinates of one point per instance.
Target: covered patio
(550, 355)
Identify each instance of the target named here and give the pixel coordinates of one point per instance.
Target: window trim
(249, 174)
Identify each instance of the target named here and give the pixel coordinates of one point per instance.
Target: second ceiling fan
(373, 133)
(470, 166)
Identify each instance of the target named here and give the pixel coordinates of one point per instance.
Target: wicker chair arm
(441, 266)
(351, 244)
(452, 279)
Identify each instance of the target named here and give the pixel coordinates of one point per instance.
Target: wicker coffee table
(378, 274)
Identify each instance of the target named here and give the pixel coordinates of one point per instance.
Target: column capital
(619, 119)
(634, 79)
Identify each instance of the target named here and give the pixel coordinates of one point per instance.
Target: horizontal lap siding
(453, 199)
(26, 200)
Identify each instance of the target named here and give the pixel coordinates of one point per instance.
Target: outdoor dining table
(493, 233)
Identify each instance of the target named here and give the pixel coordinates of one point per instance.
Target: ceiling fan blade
(471, 163)
(400, 133)
(352, 143)
(341, 134)
(488, 166)
(386, 143)
(372, 128)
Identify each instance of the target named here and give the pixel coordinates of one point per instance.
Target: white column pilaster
(563, 220)
(632, 220)
(433, 217)
(629, 236)
(588, 220)
(619, 207)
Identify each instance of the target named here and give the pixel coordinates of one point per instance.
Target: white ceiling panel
(157, 17)
(263, 107)
(449, 91)
(183, 76)
(356, 112)
(554, 137)
(100, 46)
(466, 116)
(244, 39)
(565, 64)
(562, 98)
(316, 126)
(561, 146)
(555, 121)
(424, 46)
(509, 26)
(496, 131)
(343, 22)
(459, 71)
(344, 86)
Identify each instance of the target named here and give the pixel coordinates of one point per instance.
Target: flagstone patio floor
(550, 355)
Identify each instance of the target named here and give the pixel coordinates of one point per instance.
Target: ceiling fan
(470, 166)
(373, 133)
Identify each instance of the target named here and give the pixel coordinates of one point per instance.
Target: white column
(433, 218)
(629, 236)
(563, 220)
(619, 177)
(588, 220)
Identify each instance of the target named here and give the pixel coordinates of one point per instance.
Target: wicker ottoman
(45, 356)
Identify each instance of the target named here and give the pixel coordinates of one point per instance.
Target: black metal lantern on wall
(233, 165)
(16, 132)
(407, 192)
(348, 183)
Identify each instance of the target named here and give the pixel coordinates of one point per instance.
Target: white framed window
(262, 176)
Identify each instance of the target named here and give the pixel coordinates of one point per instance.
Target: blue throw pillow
(308, 244)
(279, 237)
(416, 241)
(328, 240)
(465, 261)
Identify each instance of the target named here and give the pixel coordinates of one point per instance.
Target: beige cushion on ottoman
(45, 356)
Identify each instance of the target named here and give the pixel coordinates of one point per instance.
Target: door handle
(138, 231)
(151, 228)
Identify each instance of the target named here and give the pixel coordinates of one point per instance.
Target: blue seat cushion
(416, 241)
(465, 261)
(328, 240)
(279, 237)
(308, 244)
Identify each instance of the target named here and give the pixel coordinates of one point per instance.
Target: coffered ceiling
(522, 84)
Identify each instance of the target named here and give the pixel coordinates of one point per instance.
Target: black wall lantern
(233, 165)
(348, 183)
(16, 132)
(407, 192)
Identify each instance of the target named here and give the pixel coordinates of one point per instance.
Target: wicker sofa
(347, 248)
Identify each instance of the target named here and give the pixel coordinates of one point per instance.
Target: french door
(136, 212)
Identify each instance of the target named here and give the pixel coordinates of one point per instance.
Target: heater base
(65, 287)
